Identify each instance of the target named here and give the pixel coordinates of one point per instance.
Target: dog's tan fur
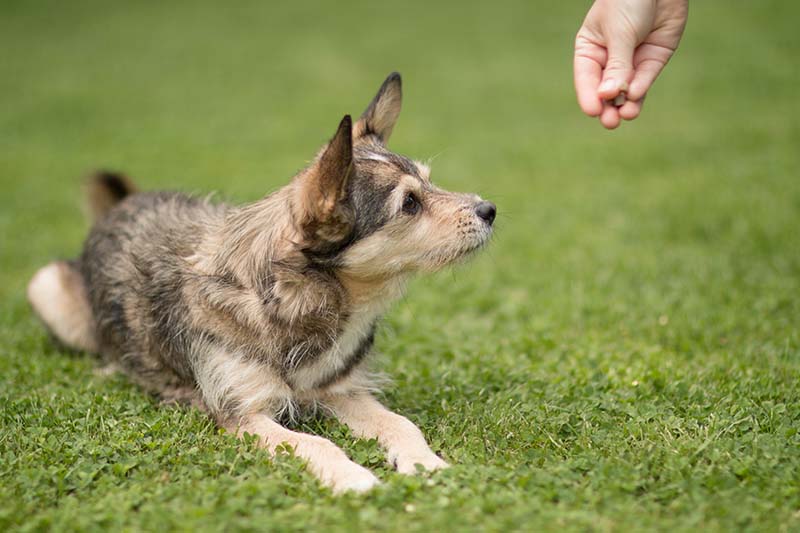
(252, 312)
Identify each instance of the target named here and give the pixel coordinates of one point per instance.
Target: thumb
(618, 71)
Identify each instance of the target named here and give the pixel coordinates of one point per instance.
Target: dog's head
(371, 213)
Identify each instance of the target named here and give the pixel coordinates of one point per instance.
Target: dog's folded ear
(381, 114)
(319, 207)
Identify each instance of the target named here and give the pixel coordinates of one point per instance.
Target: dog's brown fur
(251, 311)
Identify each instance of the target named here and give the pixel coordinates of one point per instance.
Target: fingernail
(608, 85)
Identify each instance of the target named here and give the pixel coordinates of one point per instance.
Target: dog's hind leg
(186, 395)
(58, 296)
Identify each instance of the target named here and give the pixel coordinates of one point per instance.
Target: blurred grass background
(624, 356)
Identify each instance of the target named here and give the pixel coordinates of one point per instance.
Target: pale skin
(621, 49)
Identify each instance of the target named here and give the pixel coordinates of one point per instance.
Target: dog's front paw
(407, 463)
(355, 479)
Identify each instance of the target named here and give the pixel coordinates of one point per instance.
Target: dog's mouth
(474, 247)
(444, 257)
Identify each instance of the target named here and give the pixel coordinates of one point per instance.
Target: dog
(251, 312)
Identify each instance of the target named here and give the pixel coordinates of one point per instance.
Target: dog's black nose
(487, 211)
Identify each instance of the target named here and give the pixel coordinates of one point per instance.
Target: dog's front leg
(237, 391)
(324, 459)
(404, 442)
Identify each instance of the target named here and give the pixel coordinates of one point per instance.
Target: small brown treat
(619, 100)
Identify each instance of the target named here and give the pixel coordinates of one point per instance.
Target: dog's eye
(411, 205)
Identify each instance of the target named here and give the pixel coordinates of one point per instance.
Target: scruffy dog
(250, 311)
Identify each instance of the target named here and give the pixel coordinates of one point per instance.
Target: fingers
(646, 73)
(618, 70)
(587, 73)
(609, 117)
(631, 109)
(649, 61)
(601, 76)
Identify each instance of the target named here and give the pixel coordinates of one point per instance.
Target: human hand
(620, 50)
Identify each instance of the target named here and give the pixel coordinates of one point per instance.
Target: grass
(626, 356)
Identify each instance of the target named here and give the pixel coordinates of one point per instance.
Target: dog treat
(622, 97)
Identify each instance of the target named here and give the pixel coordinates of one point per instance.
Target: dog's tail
(105, 189)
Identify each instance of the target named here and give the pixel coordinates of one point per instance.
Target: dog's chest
(349, 349)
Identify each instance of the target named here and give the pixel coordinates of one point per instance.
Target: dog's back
(135, 267)
(124, 296)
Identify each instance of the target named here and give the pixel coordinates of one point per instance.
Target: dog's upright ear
(319, 208)
(381, 114)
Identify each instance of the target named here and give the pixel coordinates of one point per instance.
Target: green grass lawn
(625, 356)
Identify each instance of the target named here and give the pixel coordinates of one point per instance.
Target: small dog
(250, 312)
